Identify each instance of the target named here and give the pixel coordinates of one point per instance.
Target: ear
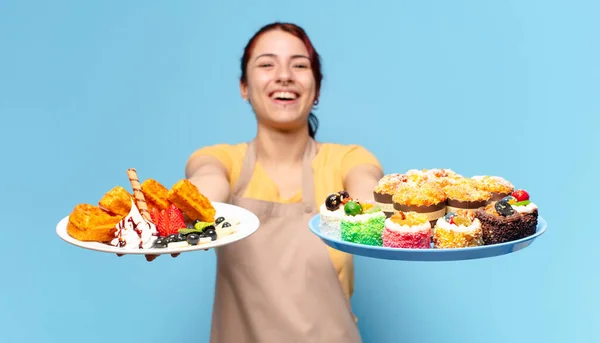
(244, 91)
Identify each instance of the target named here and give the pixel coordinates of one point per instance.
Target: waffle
(186, 196)
(116, 201)
(91, 223)
(155, 195)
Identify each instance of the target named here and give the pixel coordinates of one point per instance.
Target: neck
(281, 148)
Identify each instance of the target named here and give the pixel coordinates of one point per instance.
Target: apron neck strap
(249, 163)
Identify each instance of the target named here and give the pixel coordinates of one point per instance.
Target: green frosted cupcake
(362, 224)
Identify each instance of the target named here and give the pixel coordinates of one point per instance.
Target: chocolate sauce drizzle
(121, 226)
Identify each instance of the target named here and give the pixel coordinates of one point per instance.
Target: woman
(282, 284)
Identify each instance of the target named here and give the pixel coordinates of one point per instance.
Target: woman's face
(280, 82)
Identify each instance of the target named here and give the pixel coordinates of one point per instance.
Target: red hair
(315, 62)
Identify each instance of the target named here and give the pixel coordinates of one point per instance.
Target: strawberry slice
(520, 195)
(157, 217)
(174, 220)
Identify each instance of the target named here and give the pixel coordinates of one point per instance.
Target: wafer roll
(137, 194)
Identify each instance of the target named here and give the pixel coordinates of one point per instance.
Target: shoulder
(227, 156)
(219, 150)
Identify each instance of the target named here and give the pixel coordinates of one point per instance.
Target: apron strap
(308, 179)
(247, 169)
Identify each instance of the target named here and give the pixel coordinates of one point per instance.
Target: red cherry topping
(520, 195)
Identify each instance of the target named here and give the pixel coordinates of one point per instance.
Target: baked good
(442, 177)
(385, 189)
(465, 196)
(155, 194)
(331, 212)
(90, 223)
(529, 210)
(409, 230)
(362, 223)
(508, 220)
(457, 229)
(425, 197)
(186, 196)
(496, 185)
(116, 201)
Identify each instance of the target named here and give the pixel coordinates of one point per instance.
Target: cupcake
(442, 177)
(465, 196)
(384, 191)
(362, 223)
(417, 175)
(410, 230)
(331, 213)
(458, 229)
(496, 185)
(526, 208)
(508, 219)
(425, 198)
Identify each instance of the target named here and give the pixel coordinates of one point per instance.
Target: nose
(284, 74)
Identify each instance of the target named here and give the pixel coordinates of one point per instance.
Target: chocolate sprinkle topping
(499, 229)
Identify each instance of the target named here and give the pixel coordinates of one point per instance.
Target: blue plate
(427, 254)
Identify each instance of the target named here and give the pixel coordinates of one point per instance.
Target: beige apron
(279, 285)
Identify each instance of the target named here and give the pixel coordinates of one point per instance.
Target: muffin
(442, 177)
(496, 185)
(331, 213)
(465, 196)
(384, 191)
(410, 230)
(362, 223)
(425, 198)
(507, 220)
(458, 229)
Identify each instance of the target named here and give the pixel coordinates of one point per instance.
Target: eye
(265, 65)
(302, 66)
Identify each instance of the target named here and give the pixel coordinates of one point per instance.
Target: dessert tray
(432, 254)
(431, 215)
(154, 220)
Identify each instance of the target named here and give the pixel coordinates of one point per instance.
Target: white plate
(248, 225)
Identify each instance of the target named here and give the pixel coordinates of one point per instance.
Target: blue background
(89, 89)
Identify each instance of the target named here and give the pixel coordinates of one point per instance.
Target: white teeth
(284, 95)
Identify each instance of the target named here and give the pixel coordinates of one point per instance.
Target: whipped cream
(525, 209)
(338, 214)
(134, 231)
(443, 224)
(389, 224)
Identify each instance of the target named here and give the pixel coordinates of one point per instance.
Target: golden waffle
(91, 223)
(186, 196)
(155, 195)
(116, 201)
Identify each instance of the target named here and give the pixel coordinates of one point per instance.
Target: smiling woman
(282, 283)
(274, 53)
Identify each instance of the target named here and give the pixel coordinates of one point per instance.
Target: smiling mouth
(284, 96)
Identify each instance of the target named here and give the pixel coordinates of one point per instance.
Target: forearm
(209, 175)
(214, 187)
(361, 181)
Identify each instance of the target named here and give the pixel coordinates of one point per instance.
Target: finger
(151, 258)
(175, 255)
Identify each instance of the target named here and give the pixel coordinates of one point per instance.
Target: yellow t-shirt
(330, 166)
